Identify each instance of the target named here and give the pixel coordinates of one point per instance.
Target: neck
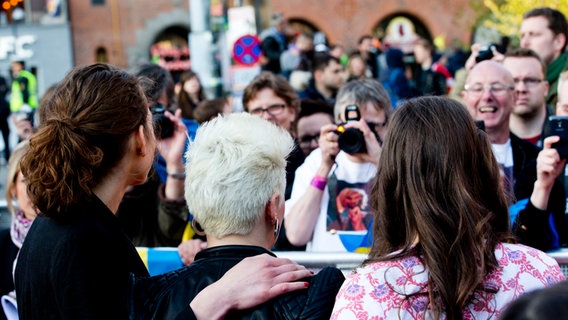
(259, 236)
(327, 93)
(498, 136)
(528, 126)
(427, 63)
(111, 191)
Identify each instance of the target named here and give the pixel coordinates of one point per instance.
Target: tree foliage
(506, 16)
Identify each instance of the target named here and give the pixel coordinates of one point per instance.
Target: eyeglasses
(272, 110)
(307, 139)
(528, 82)
(496, 89)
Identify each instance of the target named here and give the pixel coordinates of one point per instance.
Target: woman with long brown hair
(442, 246)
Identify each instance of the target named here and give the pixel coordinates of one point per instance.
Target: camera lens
(352, 141)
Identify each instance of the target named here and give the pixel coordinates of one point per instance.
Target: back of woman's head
(438, 183)
(542, 304)
(91, 116)
(234, 166)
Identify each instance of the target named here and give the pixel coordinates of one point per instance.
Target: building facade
(38, 33)
(128, 32)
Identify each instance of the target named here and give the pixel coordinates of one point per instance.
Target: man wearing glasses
(329, 208)
(489, 96)
(529, 118)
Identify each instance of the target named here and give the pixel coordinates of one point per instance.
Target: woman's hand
(251, 282)
(189, 248)
(172, 148)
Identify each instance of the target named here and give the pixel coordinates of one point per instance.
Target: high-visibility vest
(17, 96)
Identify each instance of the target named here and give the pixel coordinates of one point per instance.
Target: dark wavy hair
(90, 117)
(185, 103)
(438, 195)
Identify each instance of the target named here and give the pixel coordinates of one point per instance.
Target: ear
(559, 41)
(140, 141)
(547, 85)
(271, 209)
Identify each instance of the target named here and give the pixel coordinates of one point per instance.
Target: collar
(555, 68)
(232, 251)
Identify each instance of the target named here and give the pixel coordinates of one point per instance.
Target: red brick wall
(342, 20)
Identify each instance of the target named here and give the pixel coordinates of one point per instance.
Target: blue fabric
(163, 260)
(520, 205)
(160, 162)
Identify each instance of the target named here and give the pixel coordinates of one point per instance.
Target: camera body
(351, 140)
(485, 53)
(163, 126)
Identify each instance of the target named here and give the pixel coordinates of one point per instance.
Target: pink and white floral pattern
(378, 291)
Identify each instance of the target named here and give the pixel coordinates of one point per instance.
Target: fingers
(286, 287)
(549, 141)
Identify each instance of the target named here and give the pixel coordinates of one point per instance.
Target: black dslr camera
(351, 140)
(163, 126)
(485, 53)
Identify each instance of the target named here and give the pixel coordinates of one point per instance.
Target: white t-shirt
(336, 231)
(504, 155)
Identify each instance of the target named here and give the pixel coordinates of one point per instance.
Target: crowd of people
(448, 178)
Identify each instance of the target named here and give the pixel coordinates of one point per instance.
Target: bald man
(489, 96)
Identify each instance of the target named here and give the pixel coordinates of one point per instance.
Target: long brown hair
(439, 183)
(185, 103)
(90, 117)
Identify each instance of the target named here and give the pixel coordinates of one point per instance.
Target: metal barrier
(159, 260)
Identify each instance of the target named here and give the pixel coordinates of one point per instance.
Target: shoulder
(377, 288)
(526, 266)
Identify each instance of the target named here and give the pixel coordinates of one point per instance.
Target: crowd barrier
(160, 260)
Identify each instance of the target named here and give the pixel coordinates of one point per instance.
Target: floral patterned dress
(378, 290)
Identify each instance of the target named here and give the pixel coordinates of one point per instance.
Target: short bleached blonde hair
(233, 167)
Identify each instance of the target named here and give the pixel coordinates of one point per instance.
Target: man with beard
(529, 118)
(327, 78)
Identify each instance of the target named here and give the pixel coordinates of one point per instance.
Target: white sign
(16, 47)
(241, 22)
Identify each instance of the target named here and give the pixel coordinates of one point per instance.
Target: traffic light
(8, 7)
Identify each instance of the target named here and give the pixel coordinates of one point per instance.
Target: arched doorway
(170, 49)
(401, 30)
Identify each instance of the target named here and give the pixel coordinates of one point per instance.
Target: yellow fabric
(143, 252)
(188, 232)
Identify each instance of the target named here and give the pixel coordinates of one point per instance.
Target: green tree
(507, 16)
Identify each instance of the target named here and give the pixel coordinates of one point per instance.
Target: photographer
(316, 214)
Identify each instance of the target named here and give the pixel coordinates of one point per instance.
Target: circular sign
(247, 50)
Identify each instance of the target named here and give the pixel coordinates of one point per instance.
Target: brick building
(125, 32)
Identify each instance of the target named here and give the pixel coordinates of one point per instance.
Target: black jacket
(167, 296)
(76, 267)
(532, 226)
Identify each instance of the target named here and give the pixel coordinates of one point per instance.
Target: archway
(401, 30)
(170, 49)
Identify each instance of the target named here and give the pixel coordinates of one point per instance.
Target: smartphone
(480, 124)
(559, 127)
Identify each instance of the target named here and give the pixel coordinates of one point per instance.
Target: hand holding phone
(558, 126)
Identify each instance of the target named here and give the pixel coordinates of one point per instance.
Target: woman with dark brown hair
(442, 246)
(76, 263)
(190, 93)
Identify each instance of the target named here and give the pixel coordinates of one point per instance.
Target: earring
(276, 228)
(197, 228)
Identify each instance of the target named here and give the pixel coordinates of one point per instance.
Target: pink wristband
(319, 182)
